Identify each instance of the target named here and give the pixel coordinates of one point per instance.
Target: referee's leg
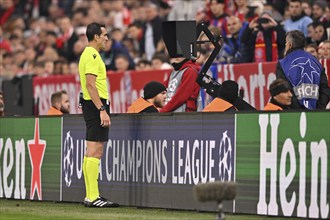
(94, 154)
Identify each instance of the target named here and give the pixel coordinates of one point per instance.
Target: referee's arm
(90, 85)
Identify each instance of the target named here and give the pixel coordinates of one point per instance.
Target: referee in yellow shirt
(95, 107)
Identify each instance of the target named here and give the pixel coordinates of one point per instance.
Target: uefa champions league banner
(154, 160)
(282, 164)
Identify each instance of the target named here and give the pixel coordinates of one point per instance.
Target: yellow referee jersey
(92, 63)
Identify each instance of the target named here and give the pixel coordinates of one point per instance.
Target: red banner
(44, 87)
(253, 78)
(127, 87)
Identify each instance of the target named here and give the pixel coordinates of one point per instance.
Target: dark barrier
(18, 96)
(149, 161)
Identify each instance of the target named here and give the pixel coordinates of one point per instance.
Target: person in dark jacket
(265, 39)
(233, 50)
(281, 96)
(154, 94)
(305, 74)
(152, 31)
(227, 95)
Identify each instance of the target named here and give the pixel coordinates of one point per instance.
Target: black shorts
(94, 130)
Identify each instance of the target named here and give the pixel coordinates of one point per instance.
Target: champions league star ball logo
(68, 159)
(225, 158)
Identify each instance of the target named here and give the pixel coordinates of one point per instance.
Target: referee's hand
(105, 119)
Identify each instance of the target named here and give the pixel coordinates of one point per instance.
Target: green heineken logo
(292, 166)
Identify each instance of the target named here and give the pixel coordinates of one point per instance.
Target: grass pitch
(33, 210)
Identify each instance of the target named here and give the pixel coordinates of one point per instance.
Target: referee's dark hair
(92, 29)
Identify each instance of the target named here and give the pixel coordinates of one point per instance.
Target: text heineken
(268, 162)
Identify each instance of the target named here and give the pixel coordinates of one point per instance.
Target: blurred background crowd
(46, 37)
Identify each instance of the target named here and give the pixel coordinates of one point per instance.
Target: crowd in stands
(47, 37)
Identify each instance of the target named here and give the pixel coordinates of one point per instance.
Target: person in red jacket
(154, 94)
(182, 88)
(281, 96)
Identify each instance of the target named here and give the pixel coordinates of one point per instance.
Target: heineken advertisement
(282, 164)
(154, 160)
(30, 154)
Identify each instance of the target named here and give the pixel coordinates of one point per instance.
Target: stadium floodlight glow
(216, 191)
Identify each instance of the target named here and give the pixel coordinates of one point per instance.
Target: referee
(96, 113)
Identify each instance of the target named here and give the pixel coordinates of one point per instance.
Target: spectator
(60, 103)
(39, 68)
(319, 32)
(312, 49)
(327, 17)
(66, 41)
(128, 42)
(182, 89)
(154, 95)
(30, 55)
(135, 32)
(310, 34)
(281, 96)
(185, 10)
(79, 16)
(270, 9)
(49, 54)
(49, 67)
(309, 87)
(265, 39)
(119, 15)
(319, 11)
(243, 11)
(164, 9)
(7, 11)
(160, 62)
(16, 43)
(78, 48)
(227, 96)
(50, 39)
(325, 49)
(121, 63)
(152, 31)
(307, 7)
(114, 49)
(233, 50)
(19, 58)
(320, 51)
(316, 33)
(117, 35)
(8, 71)
(143, 64)
(217, 15)
(73, 68)
(298, 20)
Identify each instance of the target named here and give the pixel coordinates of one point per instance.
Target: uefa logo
(225, 158)
(68, 159)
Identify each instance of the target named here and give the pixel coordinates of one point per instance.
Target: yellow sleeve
(91, 65)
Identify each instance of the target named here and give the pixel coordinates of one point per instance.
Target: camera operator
(265, 39)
